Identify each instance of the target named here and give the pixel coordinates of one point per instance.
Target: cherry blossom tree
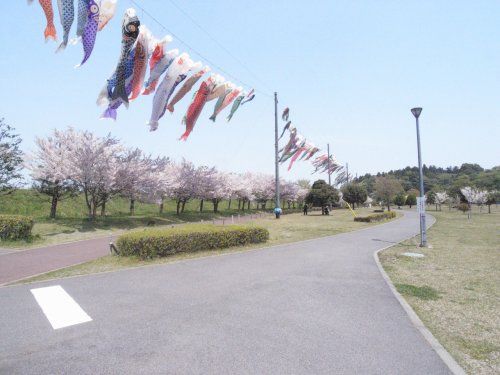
(50, 168)
(184, 184)
(135, 176)
(160, 182)
(474, 196)
(289, 192)
(262, 188)
(441, 197)
(93, 163)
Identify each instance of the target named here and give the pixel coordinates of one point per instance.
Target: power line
(219, 44)
(195, 51)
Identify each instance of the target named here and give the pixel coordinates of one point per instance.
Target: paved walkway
(314, 307)
(17, 265)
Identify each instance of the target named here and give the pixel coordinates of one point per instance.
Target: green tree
(400, 199)
(493, 198)
(386, 189)
(354, 193)
(10, 157)
(411, 200)
(322, 195)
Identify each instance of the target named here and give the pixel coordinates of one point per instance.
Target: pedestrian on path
(306, 209)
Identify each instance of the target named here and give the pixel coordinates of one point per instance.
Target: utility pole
(421, 204)
(276, 160)
(329, 168)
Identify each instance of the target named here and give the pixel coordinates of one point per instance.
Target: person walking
(306, 209)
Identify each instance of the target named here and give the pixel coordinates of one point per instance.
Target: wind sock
(284, 129)
(113, 105)
(249, 97)
(158, 64)
(90, 31)
(67, 15)
(295, 156)
(176, 73)
(285, 114)
(236, 105)
(130, 32)
(81, 19)
(186, 87)
(197, 105)
(108, 9)
(232, 95)
(217, 108)
(50, 29)
(311, 153)
(141, 57)
(219, 90)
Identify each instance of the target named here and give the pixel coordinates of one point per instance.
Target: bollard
(112, 248)
(232, 219)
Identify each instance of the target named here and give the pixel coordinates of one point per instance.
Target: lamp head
(416, 111)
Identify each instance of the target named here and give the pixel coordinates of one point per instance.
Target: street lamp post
(421, 205)
(277, 208)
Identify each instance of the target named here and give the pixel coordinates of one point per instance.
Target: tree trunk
(388, 207)
(161, 208)
(132, 207)
(249, 204)
(183, 205)
(94, 209)
(53, 206)
(229, 205)
(239, 204)
(201, 205)
(489, 208)
(216, 204)
(178, 206)
(87, 201)
(103, 209)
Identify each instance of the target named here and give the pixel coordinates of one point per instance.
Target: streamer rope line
(196, 52)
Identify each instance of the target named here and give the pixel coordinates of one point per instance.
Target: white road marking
(60, 309)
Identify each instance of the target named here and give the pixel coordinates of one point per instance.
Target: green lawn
(455, 289)
(290, 228)
(72, 223)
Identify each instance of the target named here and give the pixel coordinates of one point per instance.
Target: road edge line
(445, 356)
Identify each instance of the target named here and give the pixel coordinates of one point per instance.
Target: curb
(446, 357)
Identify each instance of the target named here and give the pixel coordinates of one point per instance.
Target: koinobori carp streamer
(140, 50)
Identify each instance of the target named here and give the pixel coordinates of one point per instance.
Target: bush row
(152, 243)
(15, 227)
(376, 217)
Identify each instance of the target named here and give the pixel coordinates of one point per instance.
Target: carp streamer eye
(94, 8)
(131, 28)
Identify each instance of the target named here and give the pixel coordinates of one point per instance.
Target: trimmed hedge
(15, 227)
(152, 243)
(376, 217)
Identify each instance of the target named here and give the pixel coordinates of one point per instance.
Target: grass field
(72, 223)
(455, 289)
(290, 228)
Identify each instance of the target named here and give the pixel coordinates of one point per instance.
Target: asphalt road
(314, 307)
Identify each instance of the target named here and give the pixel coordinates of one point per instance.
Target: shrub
(376, 217)
(151, 243)
(15, 227)
(464, 207)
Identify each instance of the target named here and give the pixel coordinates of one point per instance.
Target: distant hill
(449, 179)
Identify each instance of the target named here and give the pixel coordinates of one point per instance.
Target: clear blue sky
(349, 70)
